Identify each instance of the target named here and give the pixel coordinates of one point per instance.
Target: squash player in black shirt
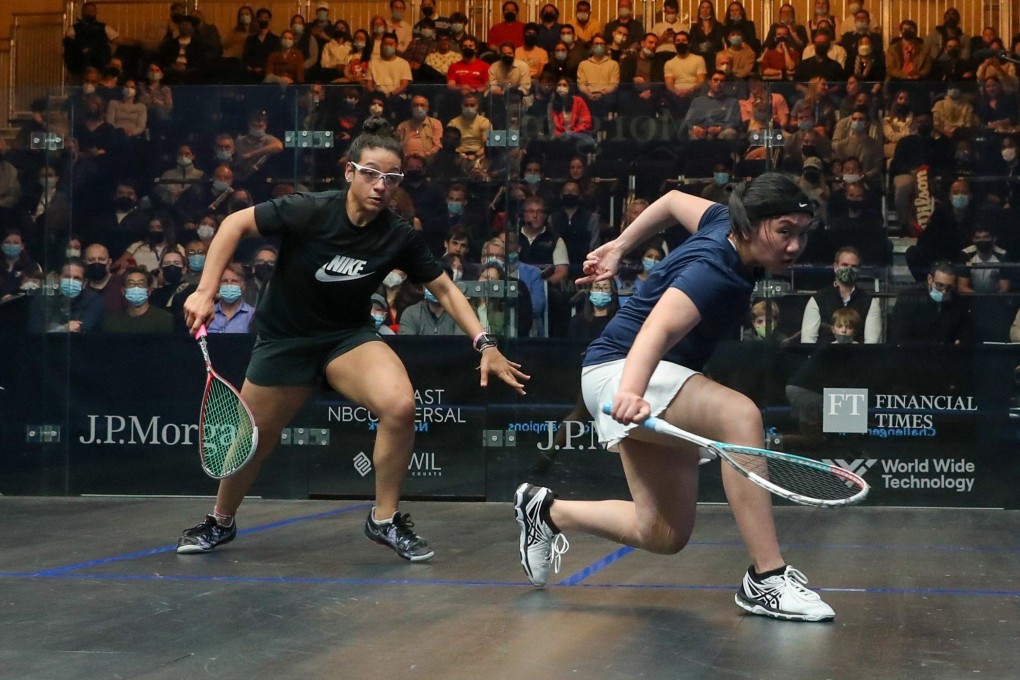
(335, 249)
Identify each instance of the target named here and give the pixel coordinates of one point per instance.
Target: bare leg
(373, 376)
(272, 408)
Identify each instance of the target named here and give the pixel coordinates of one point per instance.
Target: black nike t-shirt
(328, 268)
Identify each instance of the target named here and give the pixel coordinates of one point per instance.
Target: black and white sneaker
(205, 536)
(398, 535)
(541, 544)
(782, 596)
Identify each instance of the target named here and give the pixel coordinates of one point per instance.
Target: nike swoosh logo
(803, 205)
(326, 277)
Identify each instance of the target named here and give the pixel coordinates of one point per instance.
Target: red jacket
(580, 118)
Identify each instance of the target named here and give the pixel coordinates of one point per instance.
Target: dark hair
(771, 194)
(376, 134)
(134, 270)
(943, 266)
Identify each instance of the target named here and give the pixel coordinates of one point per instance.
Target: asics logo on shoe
(342, 268)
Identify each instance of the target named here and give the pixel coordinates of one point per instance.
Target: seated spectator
(530, 53)
(628, 21)
(598, 77)
(997, 111)
(850, 173)
(907, 59)
(139, 316)
(421, 134)
(950, 66)
(569, 117)
(178, 179)
(798, 36)
(379, 313)
(75, 309)
(470, 75)
(985, 43)
(756, 109)
(862, 145)
(183, 57)
(559, 64)
(232, 314)
(509, 74)
(812, 181)
(491, 312)
(805, 143)
(819, 64)
(584, 25)
(600, 306)
(10, 187)
(897, 123)
(652, 255)
(947, 231)
(736, 17)
(389, 73)
(172, 289)
(993, 65)
(127, 114)
(819, 103)
(860, 100)
(355, 71)
(259, 46)
(474, 129)
(96, 137)
(456, 245)
(977, 276)
(549, 26)
(576, 52)
(642, 76)
(780, 58)
(160, 237)
(509, 30)
(764, 324)
(684, 74)
(859, 28)
(836, 52)
(423, 44)
(448, 163)
(100, 281)
(427, 318)
(620, 44)
(17, 263)
(669, 26)
(336, 52)
(254, 149)
(843, 293)
(742, 56)
(286, 65)
(931, 313)
(867, 63)
(234, 40)
(577, 225)
(846, 326)
(953, 115)
(948, 30)
(208, 198)
(714, 115)
(444, 55)
(719, 190)
(540, 246)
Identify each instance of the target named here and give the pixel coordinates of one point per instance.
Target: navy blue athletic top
(705, 267)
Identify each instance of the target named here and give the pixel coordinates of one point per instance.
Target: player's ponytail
(376, 133)
(769, 195)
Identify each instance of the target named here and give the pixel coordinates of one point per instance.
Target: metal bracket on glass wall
(770, 288)
(43, 434)
(489, 289)
(308, 139)
(304, 436)
(499, 438)
(45, 141)
(769, 138)
(510, 138)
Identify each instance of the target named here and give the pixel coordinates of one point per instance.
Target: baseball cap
(813, 162)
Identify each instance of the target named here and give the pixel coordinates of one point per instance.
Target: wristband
(474, 342)
(483, 341)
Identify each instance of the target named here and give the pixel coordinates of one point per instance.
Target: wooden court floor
(91, 588)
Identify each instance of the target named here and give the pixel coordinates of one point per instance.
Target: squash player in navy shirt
(314, 322)
(646, 363)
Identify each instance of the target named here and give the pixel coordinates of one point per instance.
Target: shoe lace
(796, 579)
(403, 526)
(559, 545)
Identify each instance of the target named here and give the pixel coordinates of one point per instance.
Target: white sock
(221, 519)
(380, 522)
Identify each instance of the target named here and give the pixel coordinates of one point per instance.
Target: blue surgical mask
(493, 260)
(600, 298)
(455, 207)
(230, 292)
(805, 124)
(219, 186)
(430, 297)
(533, 178)
(721, 178)
(136, 296)
(388, 52)
(70, 288)
(936, 295)
(960, 201)
(196, 262)
(12, 250)
(511, 257)
(378, 319)
(648, 264)
(223, 155)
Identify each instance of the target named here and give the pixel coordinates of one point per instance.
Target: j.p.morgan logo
(119, 430)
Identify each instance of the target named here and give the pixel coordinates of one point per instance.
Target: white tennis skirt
(600, 383)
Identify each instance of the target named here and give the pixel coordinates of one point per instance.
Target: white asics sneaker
(541, 545)
(785, 596)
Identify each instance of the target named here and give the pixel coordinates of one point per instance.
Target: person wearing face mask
(953, 114)
(950, 66)
(530, 53)
(843, 293)
(263, 264)
(15, 263)
(474, 129)
(390, 74)
(259, 46)
(797, 37)
(128, 114)
(172, 289)
(421, 134)
(10, 186)
(428, 11)
(96, 138)
(976, 275)
(952, 221)
(510, 29)
(508, 74)
(764, 318)
(100, 280)
(335, 52)
(139, 316)
(160, 237)
(736, 18)
(231, 314)
(380, 311)
(184, 57)
(860, 28)
(598, 78)
(570, 117)
(73, 308)
(89, 42)
(862, 144)
(550, 28)
(422, 45)
(642, 76)
(742, 57)
(627, 18)
(178, 179)
(932, 313)
(949, 29)
(576, 224)
(254, 149)
(721, 186)
(285, 66)
(907, 60)
(470, 75)
(234, 39)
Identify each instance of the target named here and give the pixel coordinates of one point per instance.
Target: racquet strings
(227, 430)
(799, 477)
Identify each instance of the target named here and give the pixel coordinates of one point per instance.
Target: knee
(663, 538)
(744, 424)
(397, 411)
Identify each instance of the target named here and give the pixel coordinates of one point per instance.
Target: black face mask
(682, 48)
(507, 60)
(173, 274)
(263, 271)
(812, 176)
(984, 247)
(95, 271)
(427, 11)
(468, 53)
(854, 205)
(570, 200)
(924, 130)
(155, 237)
(177, 18)
(807, 150)
(263, 23)
(414, 176)
(123, 204)
(509, 17)
(530, 40)
(822, 50)
(548, 17)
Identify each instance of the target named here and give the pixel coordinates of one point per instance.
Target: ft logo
(844, 410)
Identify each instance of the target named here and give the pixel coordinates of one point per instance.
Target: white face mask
(1009, 154)
(562, 91)
(205, 232)
(392, 280)
(286, 43)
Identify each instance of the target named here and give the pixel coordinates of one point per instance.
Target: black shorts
(301, 361)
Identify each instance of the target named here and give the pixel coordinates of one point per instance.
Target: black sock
(547, 517)
(761, 577)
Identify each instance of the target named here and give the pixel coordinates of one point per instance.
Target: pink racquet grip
(201, 333)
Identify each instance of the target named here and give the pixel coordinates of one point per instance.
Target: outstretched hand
(494, 363)
(601, 263)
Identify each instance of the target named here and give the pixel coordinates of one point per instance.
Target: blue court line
(498, 584)
(167, 548)
(596, 567)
